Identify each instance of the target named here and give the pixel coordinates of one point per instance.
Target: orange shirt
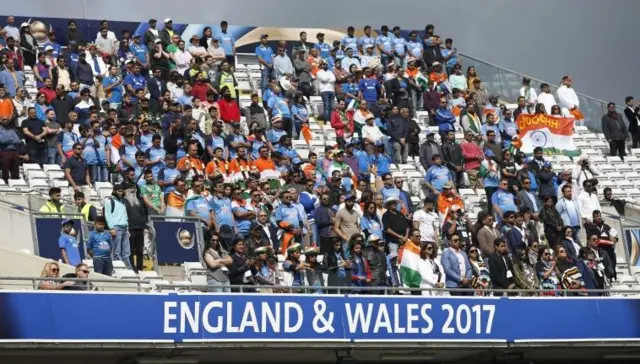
(438, 77)
(6, 108)
(239, 165)
(217, 166)
(191, 164)
(445, 203)
(264, 164)
(314, 63)
(412, 73)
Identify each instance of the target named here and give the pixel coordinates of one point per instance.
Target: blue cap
(67, 222)
(489, 153)
(528, 160)
(296, 160)
(547, 164)
(349, 197)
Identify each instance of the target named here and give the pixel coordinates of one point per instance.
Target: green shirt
(153, 193)
(172, 48)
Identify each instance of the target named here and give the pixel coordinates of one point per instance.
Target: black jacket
(62, 107)
(432, 54)
(426, 154)
(148, 39)
(398, 128)
(165, 37)
(378, 265)
(155, 91)
(613, 127)
(452, 155)
(330, 263)
(633, 117)
(498, 270)
(273, 231)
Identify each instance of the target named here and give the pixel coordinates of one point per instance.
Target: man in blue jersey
(265, 58)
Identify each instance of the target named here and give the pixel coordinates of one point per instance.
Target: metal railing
(506, 83)
(144, 285)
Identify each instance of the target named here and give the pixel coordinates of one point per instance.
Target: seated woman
(294, 266)
(569, 274)
(524, 274)
(52, 270)
(314, 271)
(431, 271)
(263, 271)
(481, 279)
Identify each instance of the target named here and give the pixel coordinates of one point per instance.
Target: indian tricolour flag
(553, 134)
(409, 265)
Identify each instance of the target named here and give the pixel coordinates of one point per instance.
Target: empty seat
(39, 184)
(125, 274)
(18, 183)
(31, 167)
(55, 174)
(149, 275)
(51, 167)
(614, 159)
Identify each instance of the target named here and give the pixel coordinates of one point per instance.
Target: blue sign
(253, 317)
(48, 231)
(176, 242)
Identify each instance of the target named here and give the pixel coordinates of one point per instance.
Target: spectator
(487, 235)
(449, 198)
(100, 247)
(51, 270)
(437, 176)
(152, 194)
(588, 201)
(607, 237)
(430, 269)
(502, 200)
(529, 94)
(453, 157)
(68, 243)
(568, 99)
(398, 129)
(34, 132)
(76, 171)
(547, 272)
(337, 265)
(396, 226)
(265, 56)
(546, 98)
(241, 263)
(115, 213)
(583, 171)
(66, 139)
(552, 221)
(375, 257)
(524, 273)
(633, 117)
(216, 261)
(501, 266)
(54, 204)
(615, 131)
(527, 198)
(87, 210)
(427, 221)
(227, 41)
(481, 277)
(456, 267)
(346, 223)
(569, 274)
(9, 146)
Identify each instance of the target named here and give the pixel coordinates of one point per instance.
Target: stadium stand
(199, 100)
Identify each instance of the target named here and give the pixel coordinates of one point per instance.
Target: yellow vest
(226, 79)
(50, 208)
(85, 210)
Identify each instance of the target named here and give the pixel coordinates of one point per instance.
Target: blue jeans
(52, 156)
(98, 173)
(121, 246)
(266, 74)
(103, 265)
(345, 249)
(400, 62)
(327, 104)
(215, 286)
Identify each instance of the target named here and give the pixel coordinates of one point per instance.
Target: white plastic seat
(614, 159)
(36, 174)
(633, 192)
(599, 144)
(55, 174)
(591, 152)
(39, 183)
(191, 268)
(31, 167)
(119, 264)
(244, 86)
(198, 279)
(590, 136)
(615, 176)
(624, 167)
(598, 160)
(625, 185)
(581, 129)
(17, 183)
(125, 274)
(149, 275)
(616, 192)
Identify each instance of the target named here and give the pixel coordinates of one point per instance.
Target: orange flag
(306, 133)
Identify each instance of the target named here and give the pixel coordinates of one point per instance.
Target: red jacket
(199, 90)
(50, 94)
(229, 111)
(338, 125)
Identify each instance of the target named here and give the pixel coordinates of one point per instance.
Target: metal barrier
(144, 285)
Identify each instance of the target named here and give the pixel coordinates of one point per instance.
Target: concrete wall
(593, 40)
(15, 226)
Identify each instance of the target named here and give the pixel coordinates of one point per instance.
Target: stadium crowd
(160, 117)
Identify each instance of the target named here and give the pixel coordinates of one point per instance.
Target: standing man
(347, 223)
(76, 171)
(457, 268)
(227, 41)
(501, 266)
(115, 214)
(615, 131)
(569, 210)
(265, 58)
(567, 98)
(34, 132)
(633, 117)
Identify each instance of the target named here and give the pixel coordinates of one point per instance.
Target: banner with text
(286, 318)
(176, 242)
(553, 134)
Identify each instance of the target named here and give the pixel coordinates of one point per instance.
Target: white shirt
(372, 133)
(197, 50)
(579, 175)
(428, 224)
(326, 81)
(429, 275)
(183, 60)
(110, 35)
(567, 99)
(461, 261)
(13, 32)
(533, 96)
(103, 68)
(547, 100)
(588, 203)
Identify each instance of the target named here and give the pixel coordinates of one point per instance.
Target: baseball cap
(158, 40)
(48, 48)
(168, 20)
(67, 222)
(264, 36)
(152, 20)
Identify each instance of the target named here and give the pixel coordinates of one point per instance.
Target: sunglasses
(546, 254)
(562, 251)
(455, 240)
(86, 271)
(55, 270)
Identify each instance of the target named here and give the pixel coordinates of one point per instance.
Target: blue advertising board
(176, 242)
(177, 317)
(48, 232)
